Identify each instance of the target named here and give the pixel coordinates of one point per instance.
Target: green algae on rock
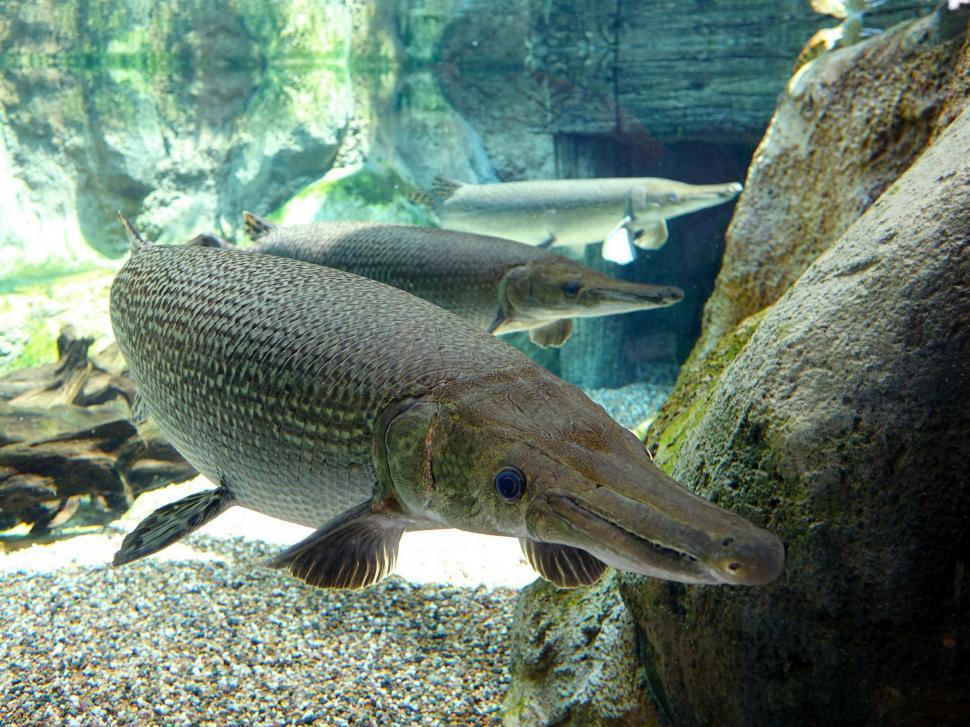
(842, 425)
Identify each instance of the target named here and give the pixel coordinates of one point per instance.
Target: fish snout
(634, 296)
(731, 190)
(756, 559)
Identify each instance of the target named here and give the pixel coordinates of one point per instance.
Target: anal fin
(563, 565)
(552, 335)
(354, 550)
(172, 522)
(256, 227)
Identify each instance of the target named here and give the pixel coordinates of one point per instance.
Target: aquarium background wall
(183, 114)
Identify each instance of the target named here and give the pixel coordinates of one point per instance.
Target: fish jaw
(676, 198)
(620, 296)
(640, 520)
(554, 288)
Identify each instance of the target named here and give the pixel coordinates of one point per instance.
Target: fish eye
(571, 287)
(672, 197)
(509, 484)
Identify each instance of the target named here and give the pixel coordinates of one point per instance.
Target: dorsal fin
(443, 188)
(256, 227)
(207, 239)
(135, 240)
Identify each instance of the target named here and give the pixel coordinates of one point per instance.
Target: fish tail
(256, 227)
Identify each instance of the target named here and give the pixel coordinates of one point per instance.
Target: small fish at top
(620, 212)
(498, 285)
(334, 401)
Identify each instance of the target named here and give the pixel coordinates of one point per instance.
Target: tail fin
(135, 240)
(256, 227)
(209, 240)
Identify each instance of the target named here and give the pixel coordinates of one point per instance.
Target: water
(183, 116)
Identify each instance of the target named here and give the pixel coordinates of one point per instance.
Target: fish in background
(334, 401)
(620, 212)
(497, 285)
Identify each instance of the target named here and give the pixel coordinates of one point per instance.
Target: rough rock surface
(845, 129)
(651, 72)
(843, 425)
(571, 661)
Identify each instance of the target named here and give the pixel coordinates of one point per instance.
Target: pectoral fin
(547, 243)
(172, 522)
(617, 247)
(552, 335)
(354, 550)
(653, 236)
(497, 322)
(563, 565)
(443, 188)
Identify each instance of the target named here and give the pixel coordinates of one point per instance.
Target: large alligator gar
(338, 402)
(617, 211)
(497, 285)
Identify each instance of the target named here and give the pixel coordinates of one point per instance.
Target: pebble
(210, 642)
(630, 405)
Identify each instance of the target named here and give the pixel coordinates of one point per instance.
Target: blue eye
(509, 484)
(571, 287)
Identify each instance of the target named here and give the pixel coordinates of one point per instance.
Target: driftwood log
(66, 440)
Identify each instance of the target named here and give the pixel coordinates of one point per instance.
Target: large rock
(851, 123)
(842, 424)
(571, 660)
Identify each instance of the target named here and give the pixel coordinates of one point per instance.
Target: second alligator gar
(617, 211)
(334, 401)
(498, 285)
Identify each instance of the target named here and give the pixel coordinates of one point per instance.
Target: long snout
(621, 297)
(652, 525)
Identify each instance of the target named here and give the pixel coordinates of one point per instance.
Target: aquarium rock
(571, 660)
(841, 419)
(857, 119)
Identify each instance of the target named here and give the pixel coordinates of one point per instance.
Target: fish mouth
(643, 541)
(635, 297)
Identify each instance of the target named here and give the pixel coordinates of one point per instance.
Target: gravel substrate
(224, 641)
(629, 405)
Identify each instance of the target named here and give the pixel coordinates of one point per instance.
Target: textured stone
(574, 660)
(851, 124)
(843, 425)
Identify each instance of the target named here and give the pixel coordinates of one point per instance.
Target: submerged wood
(68, 450)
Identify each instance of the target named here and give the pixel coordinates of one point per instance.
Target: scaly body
(338, 402)
(575, 211)
(497, 285)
